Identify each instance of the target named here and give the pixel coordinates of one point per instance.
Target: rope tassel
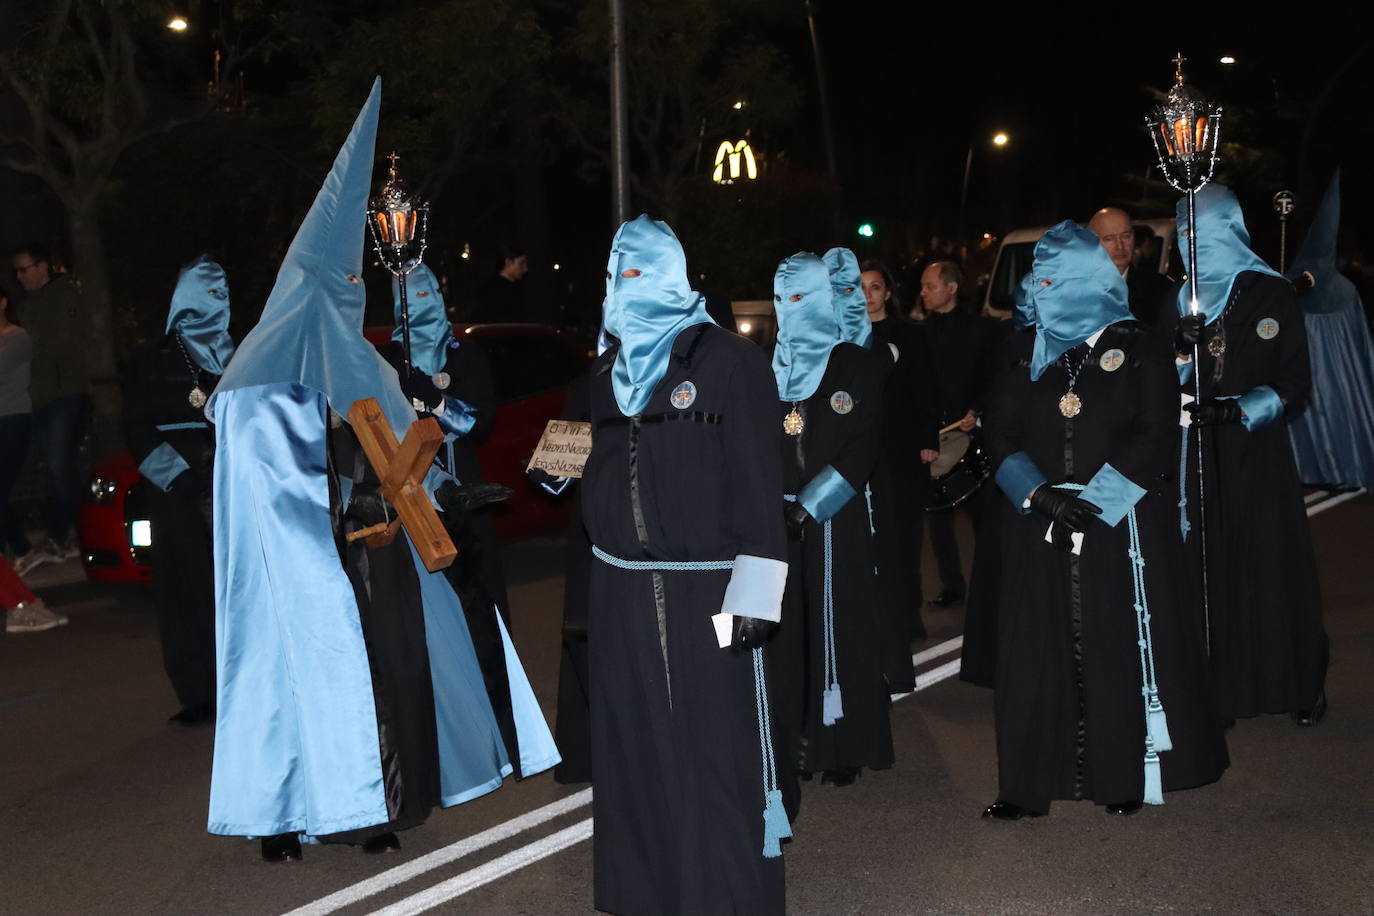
(1154, 792)
(1158, 725)
(775, 824)
(832, 707)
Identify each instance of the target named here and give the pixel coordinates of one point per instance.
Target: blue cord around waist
(832, 702)
(663, 565)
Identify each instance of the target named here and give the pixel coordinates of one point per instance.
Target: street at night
(104, 805)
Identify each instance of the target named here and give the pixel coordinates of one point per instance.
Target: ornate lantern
(399, 224)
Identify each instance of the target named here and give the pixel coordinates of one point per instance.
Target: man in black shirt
(1146, 287)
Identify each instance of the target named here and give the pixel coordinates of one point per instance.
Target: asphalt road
(102, 805)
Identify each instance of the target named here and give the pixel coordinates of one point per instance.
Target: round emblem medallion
(1217, 344)
(1070, 405)
(441, 380)
(841, 402)
(793, 424)
(1112, 360)
(1267, 329)
(196, 398)
(684, 395)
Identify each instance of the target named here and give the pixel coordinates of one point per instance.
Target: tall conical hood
(200, 314)
(1223, 250)
(1331, 291)
(430, 329)
(311, 328)
(851, 308)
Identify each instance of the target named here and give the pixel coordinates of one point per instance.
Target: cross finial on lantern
(1178, 67)
(392, 158)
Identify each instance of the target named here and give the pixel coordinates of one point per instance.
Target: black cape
(676, 755)
(848, 443)
(1269, 648)
(1069, 710)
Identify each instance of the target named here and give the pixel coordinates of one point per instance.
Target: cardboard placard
(563, 449)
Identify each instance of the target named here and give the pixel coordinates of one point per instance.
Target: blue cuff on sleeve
(1018, 477)
(1112, 492)
(755, 588)
(458, 418)
(1262, 406)
(162, 466)
(826, 494)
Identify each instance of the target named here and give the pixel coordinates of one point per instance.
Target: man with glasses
(56, 322)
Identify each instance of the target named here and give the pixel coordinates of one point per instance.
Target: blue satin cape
(200, 314)
(430, 330)
(1333, 437)
(646, 313)
(851, 308)
(1223, 250)
(808, 329)
(1074, 291)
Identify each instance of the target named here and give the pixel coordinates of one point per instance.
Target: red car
(531, 367)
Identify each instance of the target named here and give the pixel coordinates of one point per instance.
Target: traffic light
(866, 230)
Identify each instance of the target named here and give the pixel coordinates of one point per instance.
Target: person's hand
(541, 477)
(1189, 333)
(456, 499)
(968, 422)
(928, 455)
(1216, 412)
(1063, 506)
(420, 387)
(796, 516)
(366, 506)
(751, 633)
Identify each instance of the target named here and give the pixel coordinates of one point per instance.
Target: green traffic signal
(866, 230)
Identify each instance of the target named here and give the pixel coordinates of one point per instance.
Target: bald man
(1147, 288)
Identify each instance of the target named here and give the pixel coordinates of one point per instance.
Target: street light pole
(620, 147)
(963, 195)
(824, 94)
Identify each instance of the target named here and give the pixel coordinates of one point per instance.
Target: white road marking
(1334, 501)
(943, 648)
(491, 871)
(1315, 496)
(402, 873)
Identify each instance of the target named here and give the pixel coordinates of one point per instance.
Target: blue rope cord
(775, 825)
(832, 706)
(1183, 525)
(868, 499)
(663, 565)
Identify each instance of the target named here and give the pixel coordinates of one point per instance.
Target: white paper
(1076, 537)
(725, 628)
(1185, 419)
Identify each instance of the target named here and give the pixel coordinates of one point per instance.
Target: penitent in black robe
(1269, 649)
(841, 434)
(676, 756)
(1069, 710)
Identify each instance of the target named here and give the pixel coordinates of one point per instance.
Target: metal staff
(1185, 130)
(393, 218)
(1283, 206)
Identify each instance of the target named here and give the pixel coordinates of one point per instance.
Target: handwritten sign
(563, 449)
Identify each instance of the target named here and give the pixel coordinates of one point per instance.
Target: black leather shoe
(1124, 809)
(200, 714)
(844, 776)
(382, 842)
(1006, 811)
(283, 847)
(1315, 714)
(947, 598)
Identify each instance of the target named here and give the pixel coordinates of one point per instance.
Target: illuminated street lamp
(1228, 60)
(178, 24)
(999, 140)
(399, 223)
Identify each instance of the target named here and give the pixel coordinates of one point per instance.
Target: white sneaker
(33, 617)
(36, 557)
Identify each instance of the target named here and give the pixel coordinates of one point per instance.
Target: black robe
(901, 490)
(572, 730)
(676, 755)
(1269, 649)
(1068, 704)
(156, 386)
(848, 443)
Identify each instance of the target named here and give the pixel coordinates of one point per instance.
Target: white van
(1017, 250)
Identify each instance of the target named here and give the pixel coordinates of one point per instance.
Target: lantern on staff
(399, 223)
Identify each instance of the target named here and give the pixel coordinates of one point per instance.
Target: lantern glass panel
(383, 228)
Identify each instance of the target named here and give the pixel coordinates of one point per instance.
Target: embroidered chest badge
(841, 402)
(1267, 329)
(684, 395)
(1112, 360)
(441, 380)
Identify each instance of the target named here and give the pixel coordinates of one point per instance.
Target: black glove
(797, 517)
(539, 476)
(366, 506)
(420, 387)
(1215, 411)
(1063, 506)
(751, 633)
(456, 499)
(187, 483)
(1189, 333)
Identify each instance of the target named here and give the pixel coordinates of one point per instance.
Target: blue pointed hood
(1074, 291)
(1223, 250)
(200, 314)
(310, 331)
(1022, 311)
(430, 330)
(646, 312)
(1332, 291)
(808, 328)
(851, 308)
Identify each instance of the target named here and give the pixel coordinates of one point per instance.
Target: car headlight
(103, 489)
(141, 533)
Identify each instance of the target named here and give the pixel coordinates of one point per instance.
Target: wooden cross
(401, 468)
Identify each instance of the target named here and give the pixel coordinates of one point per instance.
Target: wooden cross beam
(401, 468)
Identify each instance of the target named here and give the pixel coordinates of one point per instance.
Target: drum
(959, 471)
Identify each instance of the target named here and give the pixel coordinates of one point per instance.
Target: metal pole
(824, 95)
(620, 149)
(405, 324)
(1194, 307)
(963, 195)
(1283, 243)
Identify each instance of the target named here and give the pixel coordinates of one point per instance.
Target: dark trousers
(946, 546)
(57, 429)
(14, 445)
(184, 592)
